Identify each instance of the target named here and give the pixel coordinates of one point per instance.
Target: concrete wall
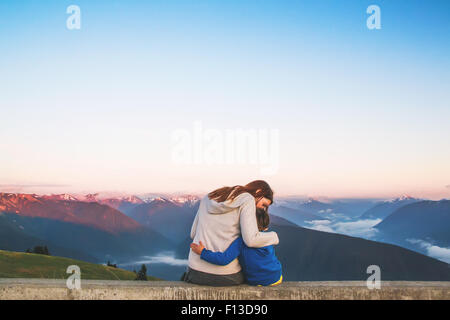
(166, 290)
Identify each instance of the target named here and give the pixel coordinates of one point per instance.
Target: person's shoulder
(203, 202)
(244, 197)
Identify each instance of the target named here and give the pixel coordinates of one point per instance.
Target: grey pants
(215, 280)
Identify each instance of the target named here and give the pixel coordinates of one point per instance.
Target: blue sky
(360, 112)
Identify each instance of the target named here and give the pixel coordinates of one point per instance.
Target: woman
(260, 265)
(224, 215)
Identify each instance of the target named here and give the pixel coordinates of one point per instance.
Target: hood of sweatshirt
(214, 207)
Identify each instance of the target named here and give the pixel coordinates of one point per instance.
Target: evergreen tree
(40, 250)
(142, 274)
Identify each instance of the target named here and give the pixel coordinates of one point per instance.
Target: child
(260, 265)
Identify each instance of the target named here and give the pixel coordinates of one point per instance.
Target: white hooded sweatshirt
(218, 224)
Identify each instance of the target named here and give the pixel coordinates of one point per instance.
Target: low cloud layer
(320, 225)
(13, 188)
(33, 185)
(161, 258)
(359, 228)
(433, 251)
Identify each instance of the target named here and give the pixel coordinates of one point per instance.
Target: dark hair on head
(257, 189)
(262, 219)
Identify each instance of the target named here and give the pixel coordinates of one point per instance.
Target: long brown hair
(262, 219)
(257, 189)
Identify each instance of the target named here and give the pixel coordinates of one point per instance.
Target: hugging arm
(223, 258)
(249, 228)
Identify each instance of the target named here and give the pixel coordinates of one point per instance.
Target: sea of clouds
(432, 250)
(160, 258)
(359, 228)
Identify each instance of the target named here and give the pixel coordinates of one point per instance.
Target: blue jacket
(260, 265)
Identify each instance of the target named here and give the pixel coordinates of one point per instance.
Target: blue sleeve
(223, 258)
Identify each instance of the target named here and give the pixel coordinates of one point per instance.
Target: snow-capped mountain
(13, 202)
(403, 197)
(62, 197)
(310, 205)
(122, 203)
(92, 214)
(189, 200)
(384, 208)
(132, 199)
(156, 199)
(184, 199)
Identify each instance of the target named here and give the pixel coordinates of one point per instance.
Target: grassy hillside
(30, 265)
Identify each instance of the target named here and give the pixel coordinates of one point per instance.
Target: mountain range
(123, 229)
(383, 209)
(344, 208)
(171, 219)
(92, 214)
(427, 221)
(99, 231)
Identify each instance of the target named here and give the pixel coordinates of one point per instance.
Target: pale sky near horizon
(359, 112)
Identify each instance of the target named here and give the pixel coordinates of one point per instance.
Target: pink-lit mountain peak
(93, 214)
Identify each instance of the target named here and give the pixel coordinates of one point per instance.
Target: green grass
(30, 265)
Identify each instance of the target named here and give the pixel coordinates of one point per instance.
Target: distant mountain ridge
(171, 219)
(383, 209)
(92, 214)
(349, 208)
(96, 243)
(104, 213)
(13, 237)
(424, 220)
(92, 228)
(297, 216)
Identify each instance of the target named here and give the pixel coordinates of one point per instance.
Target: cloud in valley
(359, 228)
(161, 258)
(338, 216)
(326, 211)
(433, 251)
(320, 225)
